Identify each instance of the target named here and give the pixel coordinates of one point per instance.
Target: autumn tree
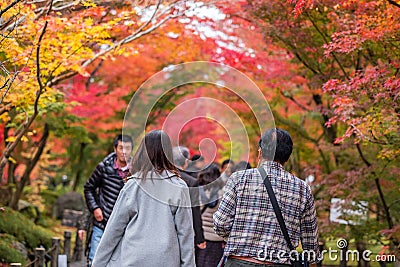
(43, 44)
(78, 63)
(346, 54)
(201, 35)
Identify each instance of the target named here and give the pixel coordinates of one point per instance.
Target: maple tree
(176, 43)
(85, 41)
(345, 103)
(45, 44)
(100, 100)
(329, 69)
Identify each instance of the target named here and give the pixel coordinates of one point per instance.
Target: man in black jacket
(102, 188)
(181, 155)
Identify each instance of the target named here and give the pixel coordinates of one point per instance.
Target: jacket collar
(154, 175)
(271, 165)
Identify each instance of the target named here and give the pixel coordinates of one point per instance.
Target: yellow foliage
(12, 160)
(11, 139)
(69, 37)
(4, 117)
(66, 44)
(88, 3)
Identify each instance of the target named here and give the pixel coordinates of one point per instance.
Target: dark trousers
(240, 263)
(211, 255)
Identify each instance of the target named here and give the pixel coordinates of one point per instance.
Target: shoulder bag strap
(275, 205)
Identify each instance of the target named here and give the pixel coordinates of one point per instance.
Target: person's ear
(259, 155)
(186, 164)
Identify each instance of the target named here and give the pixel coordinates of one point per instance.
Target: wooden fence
(43, 257)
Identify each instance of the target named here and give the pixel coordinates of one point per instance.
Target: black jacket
(102, 189)
(194, 197)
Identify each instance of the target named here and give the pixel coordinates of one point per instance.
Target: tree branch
(5, 108)
(326, 42)
(36, 2)
(303, 133)
(72, 73)
(8, 7)
(151, 18)
(14, 25)
(139, 33)
(392, 2)
(41, 87)
(290, 97)
(6, 23)
(49, 8)
(375, 141)
(13, 77)
(61, 78)
(378, 186)
(96, 69)
(25, 126)
(293, 49)
(29, 167)
(4, 85)
(10, 82)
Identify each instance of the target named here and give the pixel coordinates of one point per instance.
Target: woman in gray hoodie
(151, 223)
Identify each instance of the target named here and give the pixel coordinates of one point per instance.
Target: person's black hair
(154, 154)
(196, 157)
(185, 151)
(123, 138)
(180, 155)
(226, 162)
(276, 144)
(209, 174)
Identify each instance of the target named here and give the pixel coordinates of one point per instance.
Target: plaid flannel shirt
(247, 221)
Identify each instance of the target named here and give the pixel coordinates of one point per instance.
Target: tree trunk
(330, 133)
(11, 169)
(343, 258)
(378, 187)
(79, 164)
(361, 247)
(29, 167)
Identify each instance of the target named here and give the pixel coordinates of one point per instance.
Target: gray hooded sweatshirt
(150, 225)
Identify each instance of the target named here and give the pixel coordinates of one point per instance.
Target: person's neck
(121, 163)
(267, 160)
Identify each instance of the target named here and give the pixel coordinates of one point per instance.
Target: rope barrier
(31, 263)
(42, 256)
(50, 249)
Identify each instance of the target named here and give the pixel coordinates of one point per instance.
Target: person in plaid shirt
(246, 218)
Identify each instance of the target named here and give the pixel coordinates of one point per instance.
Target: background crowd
(205, 182)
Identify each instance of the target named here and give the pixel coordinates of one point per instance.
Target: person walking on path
(210, 194)
(151, 223)
(181, 156)
(196, 164)
(103, 186)
(227, 167)
(246, 217)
